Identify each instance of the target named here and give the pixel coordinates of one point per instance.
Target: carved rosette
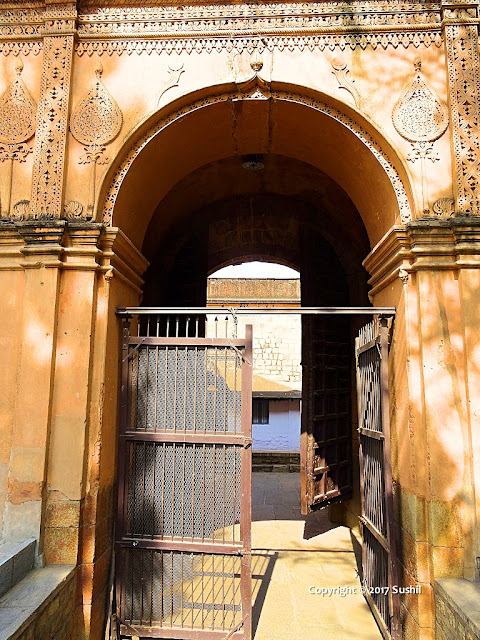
(420, 117)
(96, 122)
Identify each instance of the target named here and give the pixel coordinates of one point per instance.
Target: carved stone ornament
(17, 125)
(464, 82)
(444, 207)
(340, 71)
(419, 116)
(127, 27)
(52, 127)
(17, 112)
(173, 80)
(97, 120)
(73, 210)
(21, 210)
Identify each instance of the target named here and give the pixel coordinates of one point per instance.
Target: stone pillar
(429, 270)
(461, 44)
(35, 360)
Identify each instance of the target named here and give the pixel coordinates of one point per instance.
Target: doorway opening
(285, 541)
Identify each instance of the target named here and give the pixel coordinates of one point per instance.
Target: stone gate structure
(145, 144)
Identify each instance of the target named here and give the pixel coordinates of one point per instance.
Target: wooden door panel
(325, 444)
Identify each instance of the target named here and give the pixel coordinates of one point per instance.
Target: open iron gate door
(379, 573)
(183, 541)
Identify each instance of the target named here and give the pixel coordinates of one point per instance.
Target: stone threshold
(463, 598)
(26, 601)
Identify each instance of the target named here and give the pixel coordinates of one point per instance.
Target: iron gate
(378, 549)
(183, 538)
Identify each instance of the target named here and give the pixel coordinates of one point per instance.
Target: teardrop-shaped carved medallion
(17, 113)
(97, 120)
(419, 115)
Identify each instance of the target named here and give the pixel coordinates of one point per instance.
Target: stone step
(276, 461)
(22, 606)
(16, 560)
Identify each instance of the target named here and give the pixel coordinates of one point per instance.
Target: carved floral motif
(340, 71)
(444, 207)
(17, 125)
(95, 122)
(421, 118)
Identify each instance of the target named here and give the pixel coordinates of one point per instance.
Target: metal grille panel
(186, 389)
(183, 490)
(378, 555)
(374, 487)
(178, 589)
(375, 577)
(183, 524)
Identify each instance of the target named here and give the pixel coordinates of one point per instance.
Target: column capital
(432, 245)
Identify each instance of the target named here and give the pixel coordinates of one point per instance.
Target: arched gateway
(255, 197)
(328, 148)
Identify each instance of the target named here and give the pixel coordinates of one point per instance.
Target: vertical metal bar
(246, 486)
(214, 463)
(385, 413)
(181, 590)
(122, 451)
(172, 513)
(165, 395)
(193, 489)
(175, 379)
(185, 390)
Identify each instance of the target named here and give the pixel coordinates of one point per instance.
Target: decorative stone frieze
(49, 158)
(461, 38)
(119, 29)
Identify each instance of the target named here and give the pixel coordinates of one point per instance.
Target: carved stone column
(52, 128)
(461, 41)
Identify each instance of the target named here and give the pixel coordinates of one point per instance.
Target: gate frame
(383, 313)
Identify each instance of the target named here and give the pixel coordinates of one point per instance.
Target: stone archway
(256, 117)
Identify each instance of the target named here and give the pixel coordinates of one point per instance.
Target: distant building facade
(277, 373)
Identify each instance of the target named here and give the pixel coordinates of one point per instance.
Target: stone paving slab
(291, 553)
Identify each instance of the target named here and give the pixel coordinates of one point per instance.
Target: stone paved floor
(291, 553)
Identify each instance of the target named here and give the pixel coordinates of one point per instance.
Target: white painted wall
(283, 431)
